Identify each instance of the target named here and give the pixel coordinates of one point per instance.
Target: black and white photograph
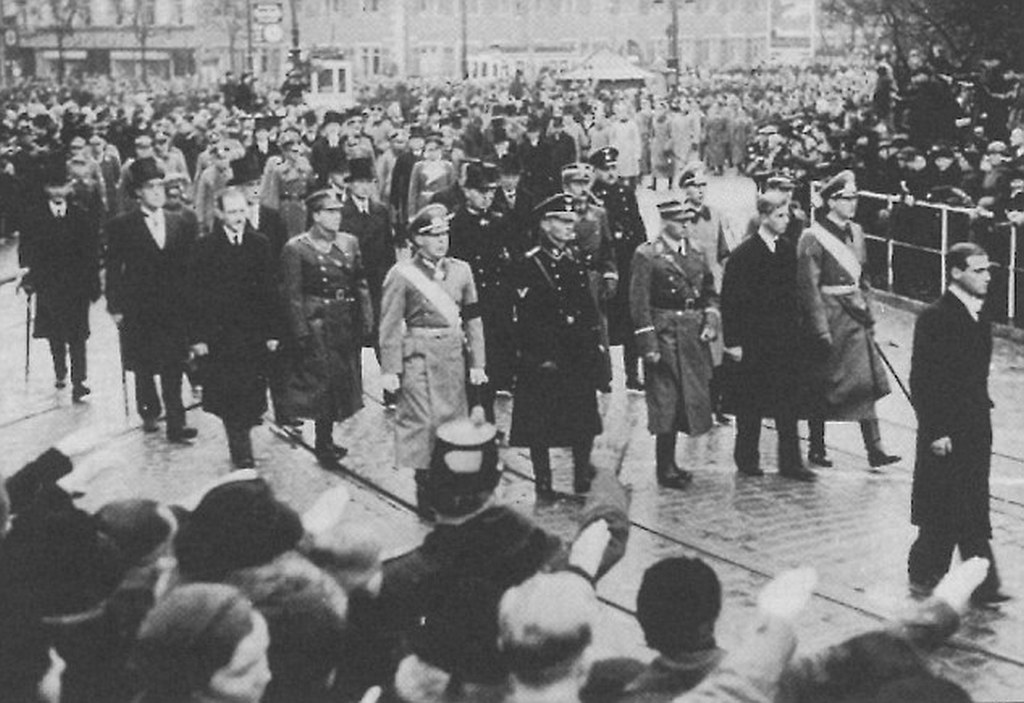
(511, 351)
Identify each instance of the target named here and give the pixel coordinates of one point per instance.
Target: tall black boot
(325, 448)
(582, 469)
(239, 445)
(423, 504)
(669, 474)
(816, 453)
(715, 390)
(540, 457)
(631, 360)
(872, 434)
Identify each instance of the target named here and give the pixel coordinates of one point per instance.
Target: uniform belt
(434, 332)
(339, 294)
(679, 305)
(839, 290)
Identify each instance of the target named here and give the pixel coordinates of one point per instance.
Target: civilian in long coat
(232, 320)
(949, 383)
(329, 314)
(147, 263)
(846, 375)
(370, 222)
(60, 248)
(429, 176)
(662, 154)
(675, 306)
(624, 135)
(561, 360)
(627, 233)
(760, 321)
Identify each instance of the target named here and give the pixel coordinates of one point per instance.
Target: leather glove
(477, 377)
(390, 382)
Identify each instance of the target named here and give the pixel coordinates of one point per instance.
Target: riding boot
(582, 469)
(540, 457)
(872, 434)
(325, 448)
(669, 474)
(816, 450)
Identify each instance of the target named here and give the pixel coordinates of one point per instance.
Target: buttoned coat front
(329, 313)
(673, 300)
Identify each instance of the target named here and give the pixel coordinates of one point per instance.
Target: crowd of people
(484, 245)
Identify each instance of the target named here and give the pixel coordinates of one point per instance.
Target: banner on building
(791, 30)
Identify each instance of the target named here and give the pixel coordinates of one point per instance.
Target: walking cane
(124, 374)
(888, 365)
(28, 334)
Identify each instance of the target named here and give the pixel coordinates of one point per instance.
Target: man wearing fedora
(147, 264)
(329, 148)
(370, 222)
(60, 249)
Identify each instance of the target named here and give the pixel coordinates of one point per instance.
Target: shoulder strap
(839, 251)
(434, 293)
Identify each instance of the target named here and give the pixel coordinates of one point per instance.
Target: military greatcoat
(627, 233)
(673, 300)
(836, 307)
(428, 349)
(329, 313)
(561, 363)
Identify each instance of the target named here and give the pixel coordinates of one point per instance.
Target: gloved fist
(390, 382)
(477, 377)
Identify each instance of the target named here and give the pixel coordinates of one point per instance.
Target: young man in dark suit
(949, 383)
(760, 323)
(147, 263)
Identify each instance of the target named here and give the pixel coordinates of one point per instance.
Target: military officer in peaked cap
(627, 233)
(329, 314)
(430, 331)
(675, 308)
(561, 361)
(593, 245)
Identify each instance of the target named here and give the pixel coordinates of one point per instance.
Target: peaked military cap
(326, 199)
(842, 185)
(578, 171)
(677, 211)
(605, 157)
(432, 220)
(557, 205)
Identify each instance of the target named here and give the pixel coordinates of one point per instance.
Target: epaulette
(533, 252)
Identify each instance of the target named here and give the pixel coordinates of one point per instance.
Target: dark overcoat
(627, 233)
(147, 285)
(557, 322)
(62, 256)
(232, 310)
(949, 383)
(329, 314)
(376, 244)
(760, 314)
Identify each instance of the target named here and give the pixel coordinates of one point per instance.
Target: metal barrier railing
(1012, 265)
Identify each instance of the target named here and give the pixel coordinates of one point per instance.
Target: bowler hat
(361, 169)
(243, 171)
(144, 171)
(481, 175)
(333, 116)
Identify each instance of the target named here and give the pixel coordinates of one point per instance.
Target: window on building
(371, 60)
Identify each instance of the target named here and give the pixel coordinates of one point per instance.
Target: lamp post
(293, 6)
(249, 62)
(463, 50)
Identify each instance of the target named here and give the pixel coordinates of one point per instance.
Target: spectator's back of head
(678, 603)
(545, 627)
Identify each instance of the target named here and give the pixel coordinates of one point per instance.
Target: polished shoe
(799, 473)
(881, 458)
(182, 434)
(329, 451)
(149, 424)
(390, 400)
(819, 459)
(723, 419)
(244, 462)
(544, 489)
(582, 479)
(989, 597)
(750, 470)
(287, 422)
(920, 589)
(634, 384)
(61, 382)
(80, 391)
(675, 478)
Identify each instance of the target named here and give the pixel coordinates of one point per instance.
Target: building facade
(384, 38)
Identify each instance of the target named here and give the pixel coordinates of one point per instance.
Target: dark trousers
(869, 431)
(631, 359)
(60, 350)
(148, 402)
(540, 457)
(748, 438)
(932, 551)
(239, 440)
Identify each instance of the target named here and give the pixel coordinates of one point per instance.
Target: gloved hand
(390, 382)
(477, 377)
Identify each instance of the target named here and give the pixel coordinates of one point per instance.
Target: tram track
(840, 597)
